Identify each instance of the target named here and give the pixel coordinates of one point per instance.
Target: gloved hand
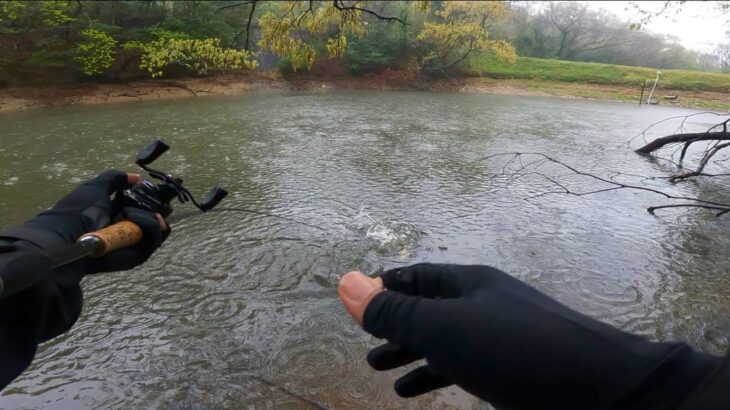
(88, 208)
(511, 345)
(38, 303)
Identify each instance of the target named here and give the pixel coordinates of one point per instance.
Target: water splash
(388, 238)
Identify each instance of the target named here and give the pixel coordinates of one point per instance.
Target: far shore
(25, 98)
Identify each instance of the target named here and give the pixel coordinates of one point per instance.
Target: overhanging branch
(340, 5)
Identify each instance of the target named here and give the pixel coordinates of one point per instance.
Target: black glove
(515, 347)
(39, 303)
(89, 208)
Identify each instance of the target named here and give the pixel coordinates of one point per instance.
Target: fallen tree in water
(681, 138)
(714, 136)
(518, 165)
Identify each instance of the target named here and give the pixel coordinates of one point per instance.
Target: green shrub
(96, 52)
(199, 57)
(284, 65)
(383, 47)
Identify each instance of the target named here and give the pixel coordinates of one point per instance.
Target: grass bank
(594, 73)
(696, 89)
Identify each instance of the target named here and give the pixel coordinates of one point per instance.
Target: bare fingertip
(163, 224)
(133, 178)
(356, 291)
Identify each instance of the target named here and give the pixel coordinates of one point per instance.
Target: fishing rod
(147, 195)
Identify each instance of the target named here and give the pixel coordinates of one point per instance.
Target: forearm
(515, 347)
(44, 310)
(671, 380)
(38, 302)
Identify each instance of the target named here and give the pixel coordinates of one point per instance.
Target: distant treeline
(63, 40)
(574, 31)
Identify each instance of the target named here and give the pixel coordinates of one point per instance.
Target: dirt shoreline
(24, 98)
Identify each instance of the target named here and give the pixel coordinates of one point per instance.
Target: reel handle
(120, 235)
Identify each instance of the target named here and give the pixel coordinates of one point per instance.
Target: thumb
(387, 314)
(356, 291)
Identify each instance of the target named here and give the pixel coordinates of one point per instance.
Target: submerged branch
(612, 184)
(713, 135)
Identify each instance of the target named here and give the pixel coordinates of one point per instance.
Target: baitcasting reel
(145, 195)
(158, 197)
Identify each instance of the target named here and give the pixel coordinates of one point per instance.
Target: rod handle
(117, 236)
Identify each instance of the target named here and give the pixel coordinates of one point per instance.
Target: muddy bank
(21, 98)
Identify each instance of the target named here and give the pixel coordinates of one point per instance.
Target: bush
(383, 47)
(198, 57)
(96, 52)
(284, 66)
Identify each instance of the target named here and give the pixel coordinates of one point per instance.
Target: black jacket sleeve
(39, 313)
(513, 346)
(38, 302)
(714, 391)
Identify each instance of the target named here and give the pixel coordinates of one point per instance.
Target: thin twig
(228, 6)
(340, 5)
(613, 184)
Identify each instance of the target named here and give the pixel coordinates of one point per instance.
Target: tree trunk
(680, 138)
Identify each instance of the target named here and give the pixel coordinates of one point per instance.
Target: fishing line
(189, 214)
(290, 393)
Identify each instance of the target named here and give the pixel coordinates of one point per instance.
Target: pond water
(240, 309)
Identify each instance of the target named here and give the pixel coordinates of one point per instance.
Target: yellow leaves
(96, 52)
(54, 12)
(201, 57)
(422, 5)
(461, 31)
(336, 47)
(474, 11)
(503, 50)
(283, 34)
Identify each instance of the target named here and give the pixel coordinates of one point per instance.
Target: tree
(669, 8)
(574, 31)
(445, 34)
(119, 39)
(722, 53)
(384, 46)
(460, 31)
(96, 52)
(716, 137)
(301, 30)
(582, 30)
(50, 38)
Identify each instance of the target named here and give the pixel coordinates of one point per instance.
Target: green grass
(595, 73)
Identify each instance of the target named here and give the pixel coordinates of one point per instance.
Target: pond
(240, 309)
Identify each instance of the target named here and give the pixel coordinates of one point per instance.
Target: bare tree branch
(722, 210)
(247, 29)
(340, 5)
(703, 163)
(681, 138)
(610, 183)
(714, 136)
(228, 6)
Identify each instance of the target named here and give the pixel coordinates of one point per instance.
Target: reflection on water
(240, 309)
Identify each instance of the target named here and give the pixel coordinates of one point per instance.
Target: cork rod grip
(117, 236)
